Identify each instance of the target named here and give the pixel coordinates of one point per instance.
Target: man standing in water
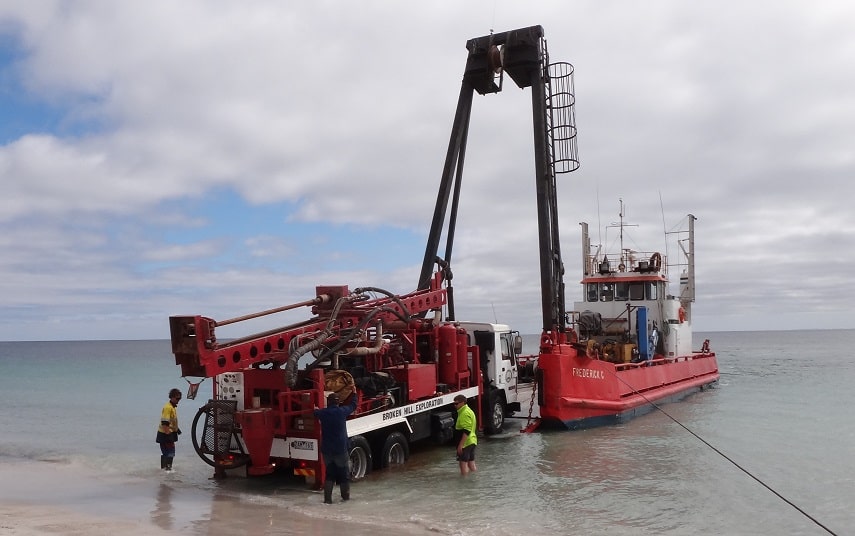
(468, 440)
(167, 432)
(335, 445)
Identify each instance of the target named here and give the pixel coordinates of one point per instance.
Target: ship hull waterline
(578, 392)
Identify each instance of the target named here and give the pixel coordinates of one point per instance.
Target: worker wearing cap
(335, 445)
(466, 423)
(167, 432)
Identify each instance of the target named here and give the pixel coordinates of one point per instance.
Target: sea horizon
(696, 334)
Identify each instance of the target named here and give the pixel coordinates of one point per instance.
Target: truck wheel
(495, 413)
(360, 458)
(395, 450)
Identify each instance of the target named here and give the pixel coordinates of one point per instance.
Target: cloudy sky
(218, 158)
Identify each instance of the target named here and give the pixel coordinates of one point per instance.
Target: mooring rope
(726, 457)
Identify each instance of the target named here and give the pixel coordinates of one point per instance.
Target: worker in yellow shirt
(167, 432)
(466, 423)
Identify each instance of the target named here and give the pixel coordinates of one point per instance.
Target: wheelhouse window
(652, 288)
(593, 293)
(621, 291)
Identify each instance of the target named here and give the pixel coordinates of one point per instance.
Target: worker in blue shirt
(335, 445)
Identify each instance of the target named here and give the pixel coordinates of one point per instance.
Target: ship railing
(660, 361)
(627, 261)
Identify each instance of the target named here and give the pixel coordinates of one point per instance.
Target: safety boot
(163, 462)
(345, 490)
(328, 486)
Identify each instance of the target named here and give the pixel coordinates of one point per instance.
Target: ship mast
(624, 256)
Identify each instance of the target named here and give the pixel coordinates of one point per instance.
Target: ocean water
(768, 451)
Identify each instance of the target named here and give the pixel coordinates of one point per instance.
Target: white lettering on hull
(588, 373)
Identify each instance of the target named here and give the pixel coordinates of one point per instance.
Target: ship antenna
(624, 258)
(621, 232)
(664, 228)
(599, 219)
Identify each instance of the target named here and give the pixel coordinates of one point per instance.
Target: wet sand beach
(57, 498)
(39, 498)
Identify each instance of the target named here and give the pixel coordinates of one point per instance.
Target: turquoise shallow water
(782, 411)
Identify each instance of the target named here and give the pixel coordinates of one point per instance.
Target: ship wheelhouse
(619, 289)
(613, 296)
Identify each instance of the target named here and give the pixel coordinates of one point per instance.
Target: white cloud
(740, 114)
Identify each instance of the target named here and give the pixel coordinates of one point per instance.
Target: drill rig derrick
(523, 56)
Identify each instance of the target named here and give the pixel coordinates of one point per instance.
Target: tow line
(732, 462)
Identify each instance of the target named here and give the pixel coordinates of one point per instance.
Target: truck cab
(499, 349)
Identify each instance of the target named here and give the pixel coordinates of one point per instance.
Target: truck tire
(395, 450)
(360, 457)
(494, 413)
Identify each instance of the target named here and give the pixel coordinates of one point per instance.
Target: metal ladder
(560, 114)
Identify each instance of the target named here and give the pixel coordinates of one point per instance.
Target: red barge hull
(575, 391)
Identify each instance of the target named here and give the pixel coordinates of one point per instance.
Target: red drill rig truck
(406, 355)
(407, 366)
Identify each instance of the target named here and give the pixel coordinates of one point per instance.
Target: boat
(630, 348)
(626, 346)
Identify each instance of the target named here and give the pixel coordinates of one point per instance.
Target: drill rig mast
(522, 55)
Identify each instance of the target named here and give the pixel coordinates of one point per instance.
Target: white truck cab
(499, 348)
